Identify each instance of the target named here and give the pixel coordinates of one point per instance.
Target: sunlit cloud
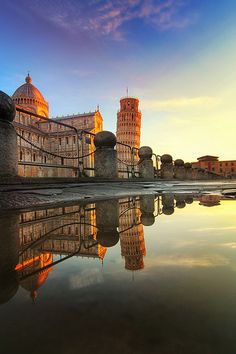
(189, 262)
(86, 278)
(214, 229)
(108, 17)
(229, 245)
(180, 103)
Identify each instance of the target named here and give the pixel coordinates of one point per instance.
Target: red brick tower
(128, 127)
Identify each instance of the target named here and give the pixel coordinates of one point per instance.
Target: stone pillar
(180, 201)
(105, 157)
(188, 170)
(107, 221)
(179, 170)
(168, 204)
(9, 255)
(201, 173)
(8, 138)
(147, 209)
(195, 173)
(146, 169)
(167, 168)
(188, 199)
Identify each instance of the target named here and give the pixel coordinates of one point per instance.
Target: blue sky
(177, 56)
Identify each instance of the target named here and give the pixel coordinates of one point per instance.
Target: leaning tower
(128, 127)
(131, 235)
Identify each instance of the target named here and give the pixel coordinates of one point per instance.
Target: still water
(136, 275)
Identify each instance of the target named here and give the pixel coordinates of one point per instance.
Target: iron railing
(50, 148)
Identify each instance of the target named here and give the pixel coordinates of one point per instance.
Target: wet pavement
(33, 195)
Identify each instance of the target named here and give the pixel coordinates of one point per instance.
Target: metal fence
(51, 148)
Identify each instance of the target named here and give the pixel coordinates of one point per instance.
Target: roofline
(76, 115)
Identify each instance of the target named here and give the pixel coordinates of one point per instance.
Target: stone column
(107, 221)
(188, 199)
(146, 169)
(167, 168)
(8, 138)
(105, 156)
(168, 204)
(179, 170)
(188, 170)
(180, 201)
(147, 209)
(9, 255)
(195, 173)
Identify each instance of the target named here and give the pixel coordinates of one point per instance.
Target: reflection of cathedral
(54, 232)
(131, 235)
(38, 240)
(29, 266)
(56, 138)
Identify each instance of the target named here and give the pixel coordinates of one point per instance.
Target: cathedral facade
(36, 136)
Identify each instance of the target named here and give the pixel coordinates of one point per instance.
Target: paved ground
(25, 196)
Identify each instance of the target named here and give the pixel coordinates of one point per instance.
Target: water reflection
(32, 241)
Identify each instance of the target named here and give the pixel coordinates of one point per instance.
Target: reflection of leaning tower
(131, 236)
(128, 129)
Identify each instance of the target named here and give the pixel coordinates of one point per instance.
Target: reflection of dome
(34, 282)
(30, 98)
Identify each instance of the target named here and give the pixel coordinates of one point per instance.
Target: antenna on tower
(127, 91)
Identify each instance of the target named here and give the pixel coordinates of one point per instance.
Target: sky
(177, 56)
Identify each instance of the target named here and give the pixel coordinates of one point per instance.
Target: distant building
(43, 134)
(128, 129)
(225, 168)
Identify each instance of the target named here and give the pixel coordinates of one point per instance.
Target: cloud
(107, 17)
(189, 262)
(214, 229)
(176, 104)
(86, 278)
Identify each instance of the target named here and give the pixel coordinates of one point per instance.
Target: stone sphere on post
(188, 170)
(179, 163)
(187, 165)
(145, 152)
(179, 169)
(166, 158)
(146, 169)
(105, 156)
(7, 108)
(105, 139)
(167, 168)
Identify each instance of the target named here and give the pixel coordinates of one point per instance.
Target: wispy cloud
(213, 260)
(214, 229)
(175, 104)
(86, 278)
(107, 17)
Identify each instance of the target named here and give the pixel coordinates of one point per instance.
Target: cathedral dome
(30, 98)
